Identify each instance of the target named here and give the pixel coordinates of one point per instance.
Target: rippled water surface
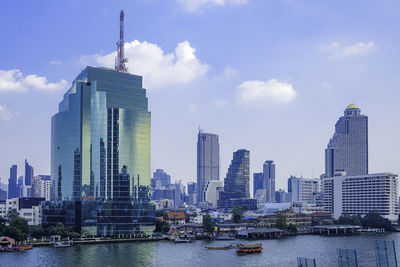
(278, 252)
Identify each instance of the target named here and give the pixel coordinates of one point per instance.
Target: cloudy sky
(271, 76)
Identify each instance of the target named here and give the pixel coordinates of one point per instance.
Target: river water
(277, 252)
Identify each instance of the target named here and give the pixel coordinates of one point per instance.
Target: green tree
(3, 223)
(280, 221)
(237, 214)
(161, 226)
(208, 224)
(36, 231)
(292, 228)
(12, 214)
(347, 219)
(375, 220)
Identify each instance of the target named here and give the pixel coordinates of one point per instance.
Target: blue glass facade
(103, 124)
(269, 180)
(347, 150)
(13, 190)
(258, 182)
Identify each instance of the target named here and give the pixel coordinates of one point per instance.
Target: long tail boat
(250, 248)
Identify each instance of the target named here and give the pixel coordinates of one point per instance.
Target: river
(277, 252)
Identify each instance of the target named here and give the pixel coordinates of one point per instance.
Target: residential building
(258, 182)
(207, 161)
(27, 207)
(347, 150)
(304, 190)
(359, 195)
(269, 180)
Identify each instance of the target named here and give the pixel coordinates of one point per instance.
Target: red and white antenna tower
(120, 60)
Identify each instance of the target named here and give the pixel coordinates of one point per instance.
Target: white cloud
(261, 92)
(157, 68)
(338, 50)
(14, 80)
(55, 62)
(5, 113)
(197, 5)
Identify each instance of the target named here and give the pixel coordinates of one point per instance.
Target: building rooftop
(352, 106)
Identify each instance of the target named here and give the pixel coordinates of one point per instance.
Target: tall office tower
(20, 186)
(207, 161)
(269, 180)
(28, 173)
(161, 178)
(103, 124)
(258, 182)
(347, 150)
(13, 190)
(238, 177)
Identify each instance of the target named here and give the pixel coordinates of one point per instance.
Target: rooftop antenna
(120, 60)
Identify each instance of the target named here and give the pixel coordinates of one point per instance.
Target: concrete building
(359, 195)
(303, 190)
(207, 161)
(347, 150)
(160, 179)
(28, 208)
(211, 192)
(281, 196)
(269, 180)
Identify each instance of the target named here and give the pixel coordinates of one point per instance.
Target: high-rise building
(103, 125)
(236, 184)
(269, 180)
(192, 193)
(28, 173)
(347, 150)
(13, 190)
(207, 161)
(258, 182)
(361, 194)
(37, 187)
(161, 178)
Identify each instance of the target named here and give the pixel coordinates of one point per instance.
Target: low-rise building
(175, 217)
(27, 208)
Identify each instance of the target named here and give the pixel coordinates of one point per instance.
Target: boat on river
(249, 248)
(224, 247)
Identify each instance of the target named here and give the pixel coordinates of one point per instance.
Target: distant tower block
(120, 60)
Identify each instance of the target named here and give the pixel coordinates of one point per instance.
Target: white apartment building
(27, 208)
(359, 195)
(303, 190)
(211, 192)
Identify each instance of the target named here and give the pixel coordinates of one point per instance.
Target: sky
(270, 76)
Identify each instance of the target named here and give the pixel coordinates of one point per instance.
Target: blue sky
(271, 76)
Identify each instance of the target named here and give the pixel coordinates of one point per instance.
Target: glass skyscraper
(103, 126)
(207, 161)
(238, 176)
(269, 180)
(13, 190)
(258, 182)
(28, 173)
(347, 150)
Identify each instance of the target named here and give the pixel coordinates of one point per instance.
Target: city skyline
(29, 101)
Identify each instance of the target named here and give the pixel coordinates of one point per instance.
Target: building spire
(120, 60)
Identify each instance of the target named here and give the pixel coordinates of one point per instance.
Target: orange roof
(5, 239)
(176, 215)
